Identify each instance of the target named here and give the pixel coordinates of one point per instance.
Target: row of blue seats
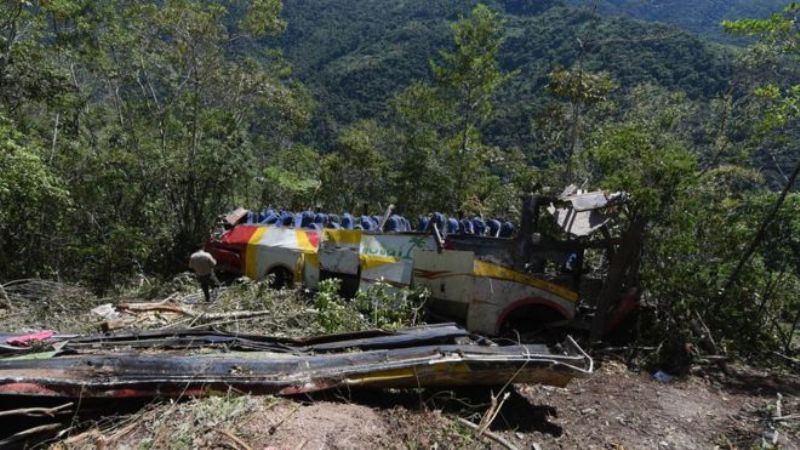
(476, 226)
(396, 223)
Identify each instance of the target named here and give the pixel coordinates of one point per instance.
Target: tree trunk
(757, 239)
(625, 258)
(573, 145)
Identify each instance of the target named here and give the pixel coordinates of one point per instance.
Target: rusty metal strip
(120, 371)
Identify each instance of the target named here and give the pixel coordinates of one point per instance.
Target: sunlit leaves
(580, 86)
(263, 17)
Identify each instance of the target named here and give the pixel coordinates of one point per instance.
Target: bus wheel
(534, 323)
(280, 278)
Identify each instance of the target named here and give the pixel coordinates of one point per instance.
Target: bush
(378, 306)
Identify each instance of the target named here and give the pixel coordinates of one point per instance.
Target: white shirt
(202, 262)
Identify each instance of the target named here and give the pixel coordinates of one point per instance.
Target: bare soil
(616, 408)
(613, 409)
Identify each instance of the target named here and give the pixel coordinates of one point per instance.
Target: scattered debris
(662, 376)
(614, 408)
(198, 363)
(28, 340)
(49, 412)
(488, 434)
(106, 311)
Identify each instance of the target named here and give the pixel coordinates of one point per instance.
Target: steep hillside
(356, 55)
(698, 16)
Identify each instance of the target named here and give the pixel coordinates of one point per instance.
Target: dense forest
(701, 17)
(127, 127)
(354, 59)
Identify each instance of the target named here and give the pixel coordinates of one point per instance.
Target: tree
(582, 90)
(641, 156)
(778, 35)
(419, 172)
(468, 79)
(162, 123)
(32, 202)
(355, 174)
(292, 180)
(441, 123)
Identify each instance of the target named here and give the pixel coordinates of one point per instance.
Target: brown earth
(620, 409)
(614, 408)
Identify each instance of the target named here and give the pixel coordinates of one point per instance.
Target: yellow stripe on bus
(251, 255)
(372, 262)
(342, 237)
(485, 269)
(303, 243)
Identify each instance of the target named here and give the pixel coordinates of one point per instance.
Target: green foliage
(160, 127)
(775, 29)
(387, 307)
(778, 41)
(582, 90)
(263, 17)
(32, 201)
(293, 178)
(470, 75)
(356, 173)
(356, 59)
(579, 86)
(698, 221)
(334, 314)
(379, 306)
(634, 160)
(644, 153)
(699, 17)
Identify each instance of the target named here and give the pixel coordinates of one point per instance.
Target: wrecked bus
(533, 280)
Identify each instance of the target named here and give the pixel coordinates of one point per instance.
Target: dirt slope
(614, 408)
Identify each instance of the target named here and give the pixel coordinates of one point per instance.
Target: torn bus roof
(198, 363)
(583, 213)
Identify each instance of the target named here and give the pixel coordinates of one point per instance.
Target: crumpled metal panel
(584, 213)
(577, 223)
(152, 366)
(235, 216)
(594, 200)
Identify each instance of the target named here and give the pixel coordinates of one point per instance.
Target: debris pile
(187, 362)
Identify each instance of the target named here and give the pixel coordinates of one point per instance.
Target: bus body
(493, 285)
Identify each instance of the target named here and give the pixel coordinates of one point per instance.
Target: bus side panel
(339, 251)
(448, 277)
(495, 297)
(390, 258)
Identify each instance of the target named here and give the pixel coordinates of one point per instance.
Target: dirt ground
(612, 409)
(620, 409)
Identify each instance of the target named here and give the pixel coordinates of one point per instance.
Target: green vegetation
(699, 17)
(356, 58)
(125, 128)
(146, 124)
(377, 307)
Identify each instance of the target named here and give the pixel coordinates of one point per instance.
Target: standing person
(202, 263)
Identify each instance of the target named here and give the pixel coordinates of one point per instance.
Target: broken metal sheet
(446, 333)
(235, 216)
(366, 340)
(581, 214)
(578, 224)
(417, 357)
(594, 200)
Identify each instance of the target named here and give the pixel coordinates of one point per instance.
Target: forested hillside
(698, 16)
(355, 57)
(127, 127)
